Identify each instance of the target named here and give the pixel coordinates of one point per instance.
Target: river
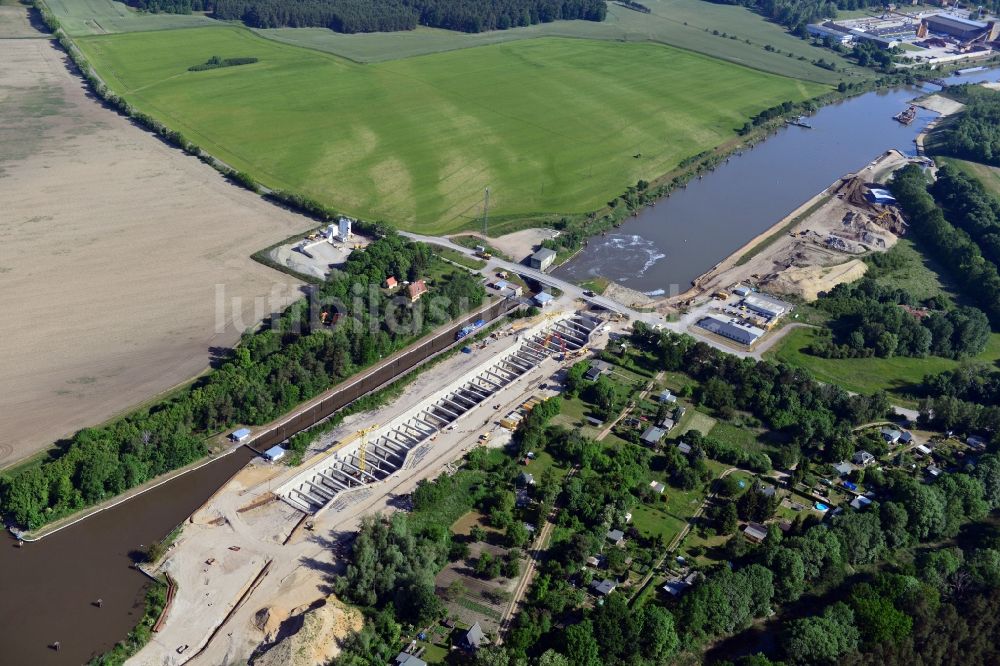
(670, 244)
(48, 588)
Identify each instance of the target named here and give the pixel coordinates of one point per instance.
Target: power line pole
(486, 212)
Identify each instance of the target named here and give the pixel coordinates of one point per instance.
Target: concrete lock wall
(292, 490)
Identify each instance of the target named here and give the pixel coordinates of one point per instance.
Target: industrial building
(274, 454)
(766, 306)
(830, 31)
(741, 333)
(543, 298)
(962, 29)
(542, 259)
(939, 37)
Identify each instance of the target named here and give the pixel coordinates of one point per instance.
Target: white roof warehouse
(741, 333)
(765, 305)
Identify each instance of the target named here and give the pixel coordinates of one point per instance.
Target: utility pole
(486, 212)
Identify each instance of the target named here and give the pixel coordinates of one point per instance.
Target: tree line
(351, 16)
(975, 133)
(215, 62)
(952, 242)
(796, 14)
(871, 319)
(293, 359)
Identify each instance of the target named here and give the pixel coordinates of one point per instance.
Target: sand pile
(809, 282)
(308, 636)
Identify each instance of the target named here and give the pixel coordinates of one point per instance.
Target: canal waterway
(49, 588)
(670, 244)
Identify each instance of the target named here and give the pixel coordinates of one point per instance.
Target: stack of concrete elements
(340, 469)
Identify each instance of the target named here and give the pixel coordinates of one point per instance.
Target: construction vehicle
(471, 328)
(483, 253)
(363, 449)
(721, 295)
(562, 343)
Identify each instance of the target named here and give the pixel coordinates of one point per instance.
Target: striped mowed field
(550, 125)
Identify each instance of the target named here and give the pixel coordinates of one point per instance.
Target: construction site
(380, 451)
(254, 560)
(316, 253)
(818, 245)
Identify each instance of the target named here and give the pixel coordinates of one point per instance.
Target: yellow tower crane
(363, 452)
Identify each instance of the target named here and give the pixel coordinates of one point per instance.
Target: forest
(352, 16)
(795, 14)
(865, 585)
(958, 240)
(873, 320)
(975, 133)
(292, 359)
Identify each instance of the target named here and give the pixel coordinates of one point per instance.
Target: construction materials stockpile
(854, 190)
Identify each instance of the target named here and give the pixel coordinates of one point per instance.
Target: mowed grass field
(896, 375)
(988, 175)
(550, 125)
(100, 17)
(687, 24)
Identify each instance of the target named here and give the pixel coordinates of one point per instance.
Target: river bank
(788, 255)
(51, 586)
(110, 503)
(664, 248)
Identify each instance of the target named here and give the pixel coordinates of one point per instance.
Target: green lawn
(459, 258)
(681, 23)
(730, 434)
(866, 375)
(573, 413)
(433, 654)
(654, 521)
(544, 461)
(920, 275)
(693, 420)
(550, 125)
(100, 17)
(989, 176)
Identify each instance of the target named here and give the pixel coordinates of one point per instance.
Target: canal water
(48, 588)
(670, 244)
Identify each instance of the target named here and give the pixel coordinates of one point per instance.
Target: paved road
(572, 290)
(684, 325)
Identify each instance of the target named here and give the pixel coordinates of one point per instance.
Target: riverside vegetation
(287, 362)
